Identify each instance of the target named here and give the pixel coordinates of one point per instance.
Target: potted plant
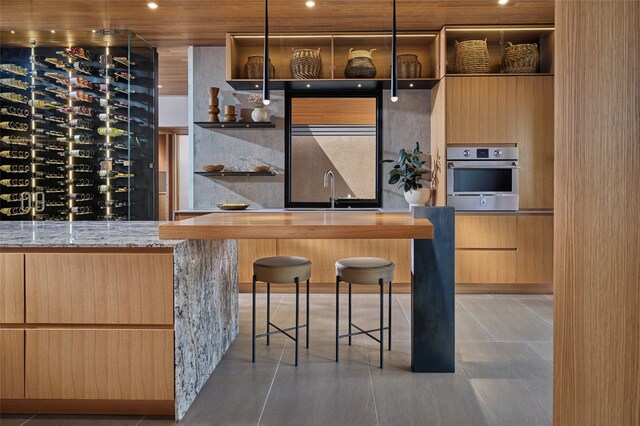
(258, 114)
(408, 172)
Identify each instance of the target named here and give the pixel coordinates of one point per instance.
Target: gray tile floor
(503, 374)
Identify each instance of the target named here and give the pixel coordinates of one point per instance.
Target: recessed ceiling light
(310, 3)
(359, 85)
(13, 32)
(410, 84)
(93, 31)
(152, 5)
(503, 2)
(159, 86)
(53, 31)
(257, 86)
(308, 85)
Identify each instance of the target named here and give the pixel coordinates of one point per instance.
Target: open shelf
(231, 174)
(334, 54)
(497, 37)
(235, 125)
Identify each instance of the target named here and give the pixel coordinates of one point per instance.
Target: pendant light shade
(394, 58)
(266, 96)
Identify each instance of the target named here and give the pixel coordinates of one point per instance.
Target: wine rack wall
(78, 128)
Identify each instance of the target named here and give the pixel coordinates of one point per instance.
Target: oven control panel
(483, 153)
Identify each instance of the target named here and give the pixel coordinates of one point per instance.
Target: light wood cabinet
(481, 110)
(11, 288)
(486, 231)
(535, 249)
(12, 364)
(248, 252)
(535, 141)
(99, 364)
(99, 288)
(486, 266)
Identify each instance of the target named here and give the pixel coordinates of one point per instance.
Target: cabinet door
(486, 231)
(535, 141)
(535, 249)
(11, 288)
(486, 266)
(12, 364)
(481, 110)
(100, 288)
(99, 364)
(248, 252)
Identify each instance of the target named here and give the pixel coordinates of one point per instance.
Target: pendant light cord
(394, 58)
(266, 96)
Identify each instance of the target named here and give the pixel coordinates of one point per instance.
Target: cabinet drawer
(486, 231)
(11, 288)
(99, 364)
(486, 266)
(535, 249)
(12, 364)
(100, 288)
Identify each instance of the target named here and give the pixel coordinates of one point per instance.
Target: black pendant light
(394, 59)
(266, 96)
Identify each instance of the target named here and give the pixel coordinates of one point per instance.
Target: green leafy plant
(407, 169)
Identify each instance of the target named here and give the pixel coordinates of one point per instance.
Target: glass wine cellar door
(77, 126)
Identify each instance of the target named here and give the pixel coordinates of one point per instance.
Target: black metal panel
(433, 294)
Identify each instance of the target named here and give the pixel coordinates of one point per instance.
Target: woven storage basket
(520, 58)
(306, 64)
(471, 57)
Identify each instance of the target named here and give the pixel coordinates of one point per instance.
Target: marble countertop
(82, 234)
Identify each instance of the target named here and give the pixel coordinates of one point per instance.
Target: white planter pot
(259, 115)
(418, 197)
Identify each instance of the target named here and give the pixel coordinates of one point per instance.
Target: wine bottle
(15, 168)
(42, 104)
(79, 182)
(81, 82)
(14, 211)
(115, 204)
(81, 196)
(79, 123)
(14, 83)
(16, 126)
(15, 197)
(113, 188)
(15, 111)
(47, 175)
(119, 146)
(114, 174)
(79, 153)
(114, 217)
(78, 168)
(81, 96)
(112, 131)
(47, 161)
(118, 161)
(83, 68)
(14, 182)
(16, 140)
(123, 60)
(55, 204)
(49, 132)
(78, 110)
(14, 97)
(14, 69)
(21, 155)
(51, 189)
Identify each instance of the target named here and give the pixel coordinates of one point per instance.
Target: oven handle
(513, 166)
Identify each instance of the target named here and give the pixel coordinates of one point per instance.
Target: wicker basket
(306, 64)
(471, 57)
(520, 58)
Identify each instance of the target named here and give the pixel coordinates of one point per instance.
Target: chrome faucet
(329, 174)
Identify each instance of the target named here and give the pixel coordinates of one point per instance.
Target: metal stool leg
(297, 315)
(307, 314)
(253, 323)
(390, 303)
(337, 315)
(381, 323)
(268, 311)
(350, 314)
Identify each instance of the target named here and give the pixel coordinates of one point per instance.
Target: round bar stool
(280, 270)
(364, 270)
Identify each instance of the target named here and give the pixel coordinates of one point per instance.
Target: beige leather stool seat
(365, 270)
(282, 269)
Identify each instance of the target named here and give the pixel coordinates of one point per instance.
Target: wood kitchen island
(432, 259)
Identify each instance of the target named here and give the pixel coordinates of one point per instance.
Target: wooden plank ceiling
(177, 24)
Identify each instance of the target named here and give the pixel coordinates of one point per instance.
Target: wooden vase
(213, 104)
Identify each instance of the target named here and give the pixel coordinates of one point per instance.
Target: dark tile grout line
(534, 312)
(478, 321)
